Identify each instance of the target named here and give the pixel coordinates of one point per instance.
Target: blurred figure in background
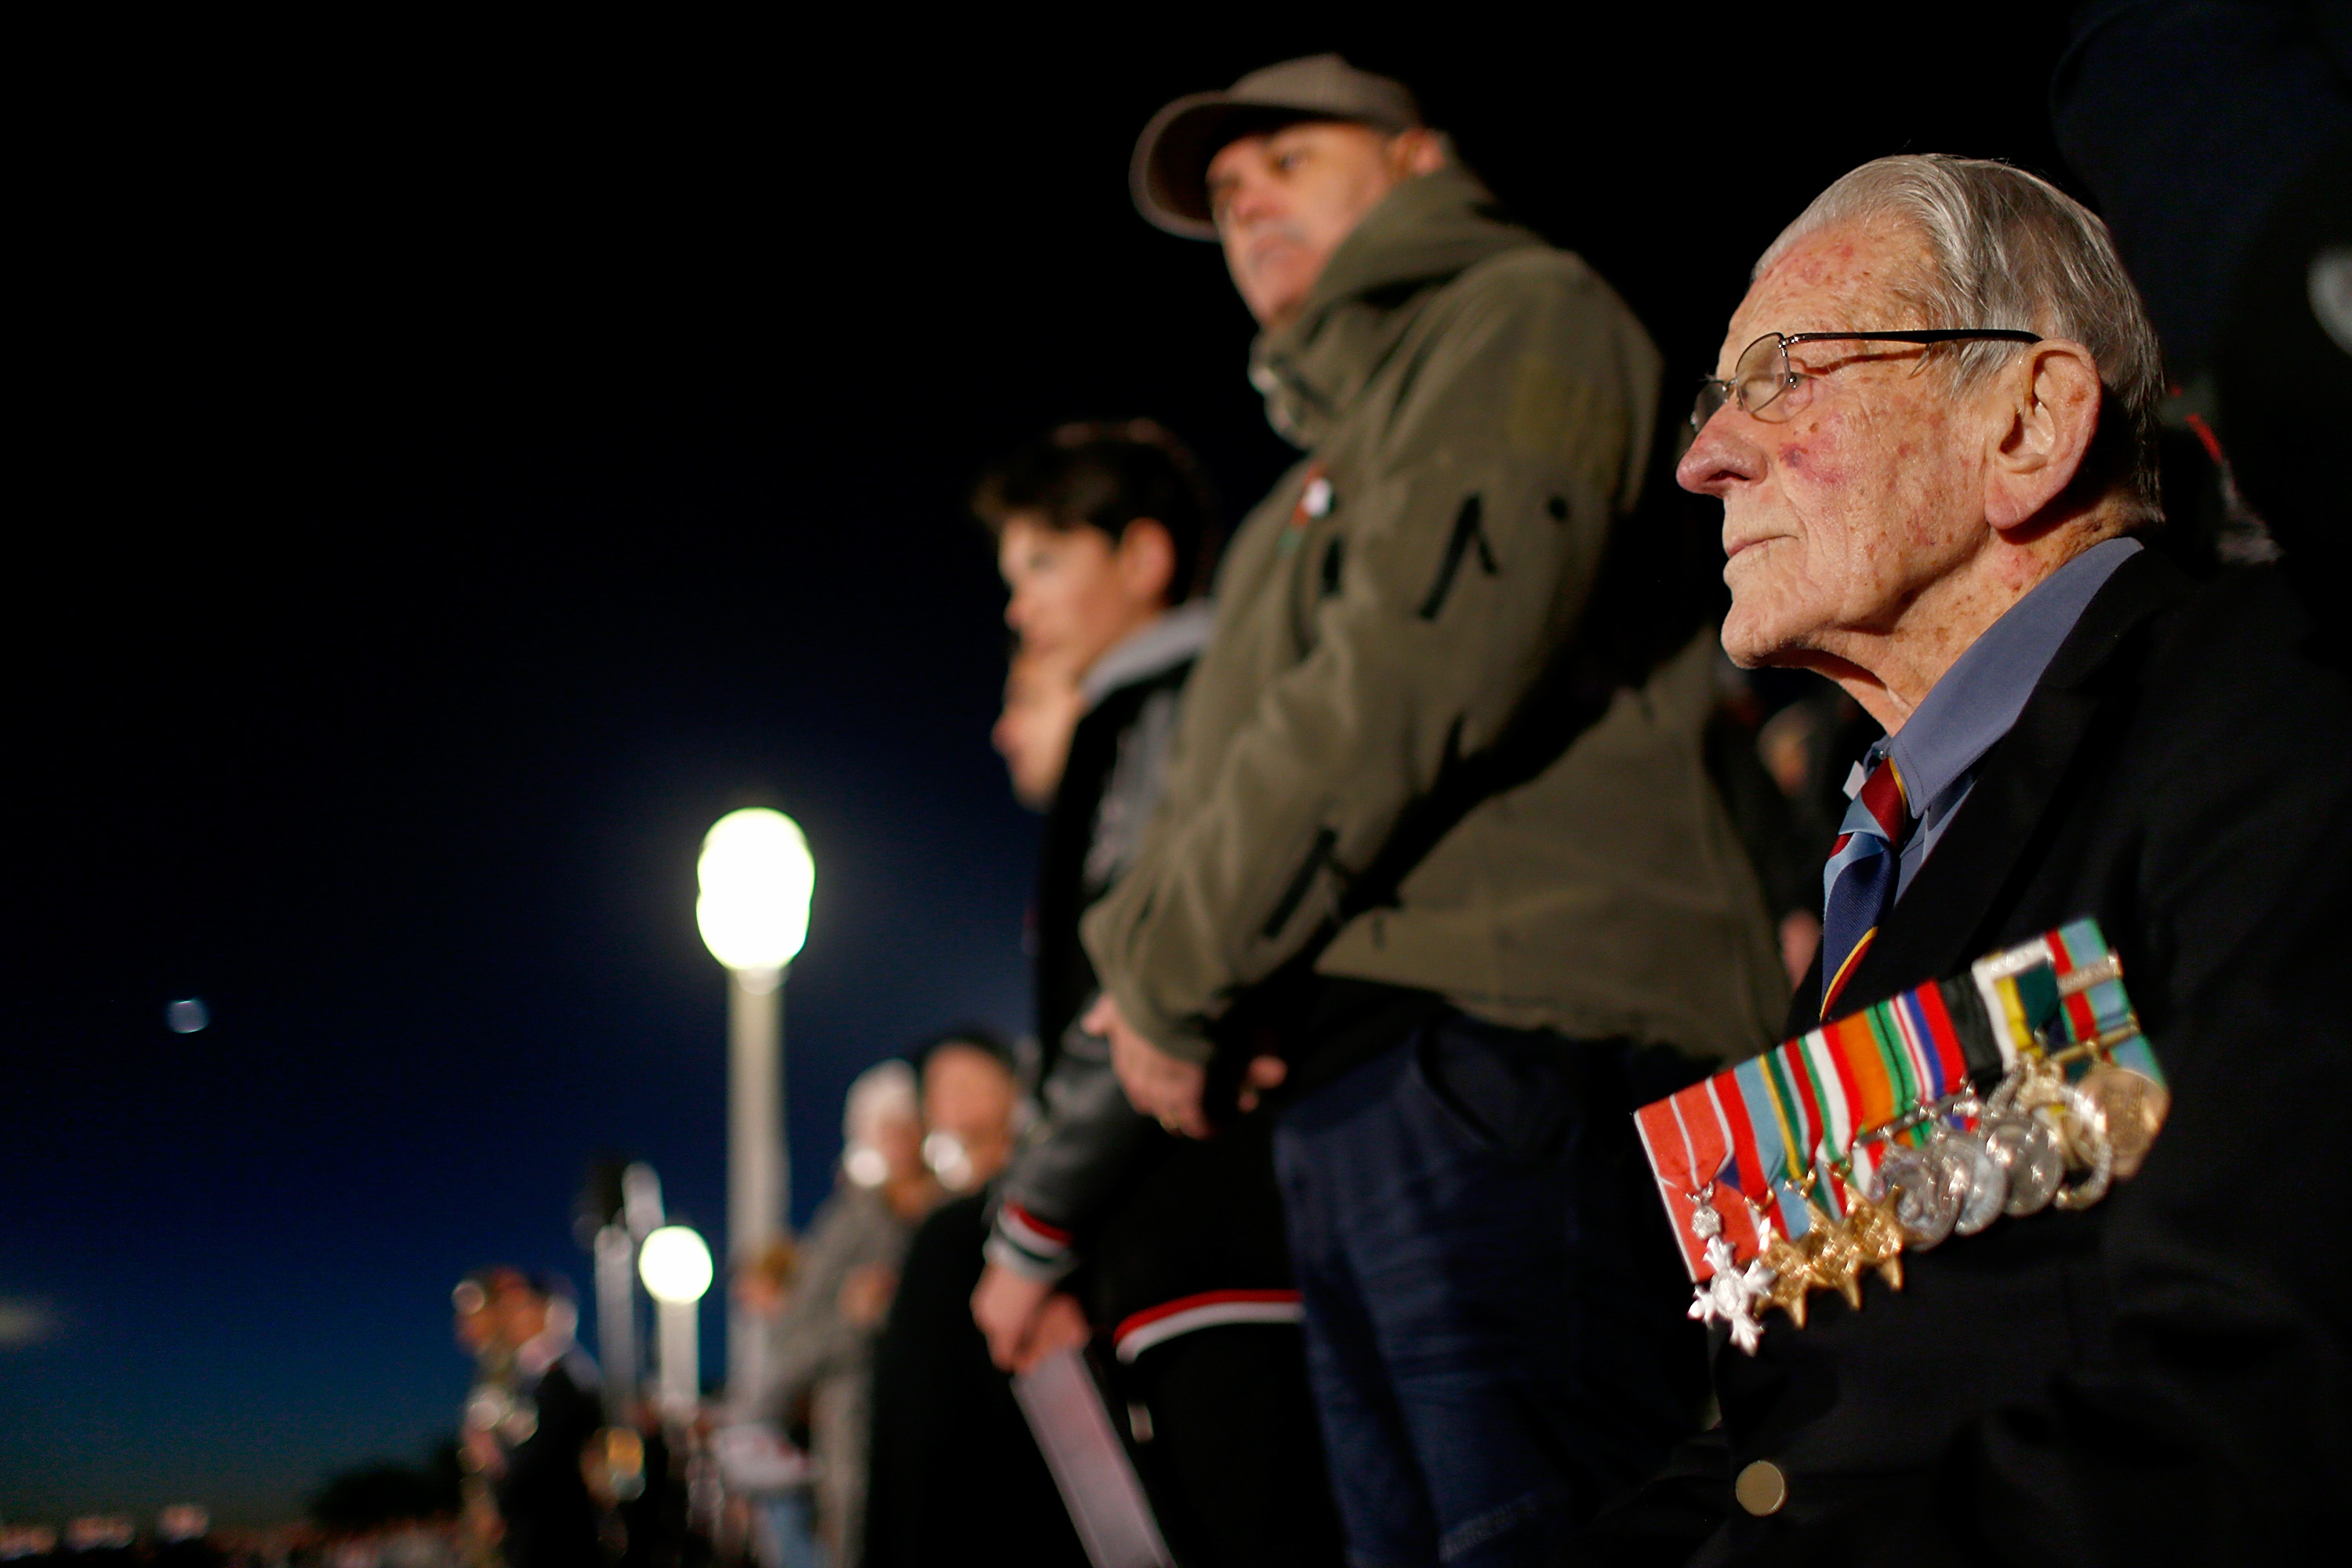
(477, 1331)
(1032, 733)
(1171, 1247)
(532, 1456)
(651, 1513)
(956, 1476)
(823, 1354)
(763, 1468)
(1778, 749)
(971, 1095)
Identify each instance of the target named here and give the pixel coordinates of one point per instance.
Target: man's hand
(1157, 1084)
(1160, 1086)
(1024, 1320)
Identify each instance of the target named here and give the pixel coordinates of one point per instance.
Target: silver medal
(1930, 1187)
(1731, 1295)
(2088, 1144)
(2030, 1158)
(2062, 1128)
(1987, 1181)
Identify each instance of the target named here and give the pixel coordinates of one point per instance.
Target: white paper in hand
(1090, 1467)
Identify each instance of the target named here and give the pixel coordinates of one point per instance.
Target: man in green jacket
(1436, 846)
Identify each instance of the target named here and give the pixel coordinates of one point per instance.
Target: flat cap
(1171, 171)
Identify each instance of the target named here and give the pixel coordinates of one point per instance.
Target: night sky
(449, 472)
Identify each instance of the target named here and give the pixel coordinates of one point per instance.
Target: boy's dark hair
(1104, 474)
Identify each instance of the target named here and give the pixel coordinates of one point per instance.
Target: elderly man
(1933, 436)
(1436, 829)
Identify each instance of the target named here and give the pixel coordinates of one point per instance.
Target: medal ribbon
(2103, 1006)
(1772, 1137)
(1762, 1124)
(1713, 1146)
(1835, 1099)
(1664, 1141)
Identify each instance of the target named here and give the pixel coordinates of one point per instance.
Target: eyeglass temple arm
(1929, 336)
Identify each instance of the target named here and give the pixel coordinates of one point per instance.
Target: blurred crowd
(1405, 836)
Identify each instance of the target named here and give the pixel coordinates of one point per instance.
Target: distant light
(184, 1521)
(675, 1264)
(23, 1322)
(950, 1161)
(100, 1532)
(866, 1165)
(757, 877)
(187, 1016)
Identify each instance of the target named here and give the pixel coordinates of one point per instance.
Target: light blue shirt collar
(1978, 699)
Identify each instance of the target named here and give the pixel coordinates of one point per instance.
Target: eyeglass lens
(1762, 374)
(1759, 379)
(1712, 395)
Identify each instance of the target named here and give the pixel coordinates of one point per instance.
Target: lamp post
(638, 1216)
(676, 1267)
(616, 1317)
(756, 878)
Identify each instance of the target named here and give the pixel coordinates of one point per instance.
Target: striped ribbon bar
(2061, 989)
(1771, 1128)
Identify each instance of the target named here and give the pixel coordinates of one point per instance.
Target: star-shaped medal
(1877, 1237)
(1792, 1273)
(1836, 1260)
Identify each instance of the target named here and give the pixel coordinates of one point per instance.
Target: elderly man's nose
(1717, 458)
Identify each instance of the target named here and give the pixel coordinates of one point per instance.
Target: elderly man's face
(1284, 201)
(1861, 484)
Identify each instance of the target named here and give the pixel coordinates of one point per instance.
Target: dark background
(450, 471)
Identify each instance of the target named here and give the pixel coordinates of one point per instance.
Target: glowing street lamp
(756, 878)
(676, 1267)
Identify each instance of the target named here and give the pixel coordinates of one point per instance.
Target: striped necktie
(1858, 883)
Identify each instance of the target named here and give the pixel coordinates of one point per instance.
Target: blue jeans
(785, 1531)
(1495, 1311)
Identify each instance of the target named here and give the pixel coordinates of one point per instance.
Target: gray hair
(883, 1092)
(2010, 249)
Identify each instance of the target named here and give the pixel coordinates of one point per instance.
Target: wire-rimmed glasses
(1764, 372)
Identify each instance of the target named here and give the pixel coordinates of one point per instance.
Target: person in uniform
(1932, 426)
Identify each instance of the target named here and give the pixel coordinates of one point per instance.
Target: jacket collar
(1161, 644)
(1426, 231)
(1943, 922)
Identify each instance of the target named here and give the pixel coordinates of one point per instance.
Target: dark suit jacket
(551, 1519)
(2161, 1378)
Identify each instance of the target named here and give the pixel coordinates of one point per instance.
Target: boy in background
(1169, 1249)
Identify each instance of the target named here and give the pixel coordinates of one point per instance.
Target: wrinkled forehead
(1847, 277)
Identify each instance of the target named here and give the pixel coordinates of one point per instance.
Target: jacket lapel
(1943, 922)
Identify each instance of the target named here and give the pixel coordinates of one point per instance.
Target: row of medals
(2034, 1133)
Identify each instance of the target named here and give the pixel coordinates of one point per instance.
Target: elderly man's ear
(2046, 412)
